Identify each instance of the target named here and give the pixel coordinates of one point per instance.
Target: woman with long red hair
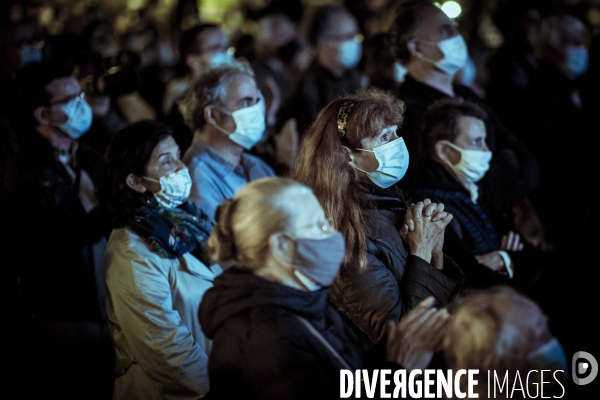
(352, 158)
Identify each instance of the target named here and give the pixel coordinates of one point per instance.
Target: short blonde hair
(245, 223)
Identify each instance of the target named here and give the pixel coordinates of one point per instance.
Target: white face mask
(349, 53)
(576, 61)
(174, 188)
(79, 117)
(250, 125)
(455, 54)
(393, 163)
(472, 166)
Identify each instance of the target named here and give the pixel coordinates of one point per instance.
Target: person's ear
(440, 150)
(194, 63)
(136, 183)
(413, 48)
(209, 114)
(350, 155)
(41, 115)
(446, 153)
(281, 247)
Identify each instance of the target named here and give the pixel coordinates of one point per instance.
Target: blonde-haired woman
(352, 158)
(274, 334)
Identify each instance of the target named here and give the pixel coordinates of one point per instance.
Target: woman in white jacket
(157, 269)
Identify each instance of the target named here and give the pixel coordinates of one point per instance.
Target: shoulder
(257, 165)
(126, 247)
(196, 154)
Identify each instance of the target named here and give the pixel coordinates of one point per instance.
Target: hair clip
(343, 117)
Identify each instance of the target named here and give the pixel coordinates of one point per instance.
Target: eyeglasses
(358, 38)
(324, 225)
(78, 97)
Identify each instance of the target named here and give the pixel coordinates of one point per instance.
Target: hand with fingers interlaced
(423, 230)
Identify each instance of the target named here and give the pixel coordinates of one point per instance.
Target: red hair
(323, 163)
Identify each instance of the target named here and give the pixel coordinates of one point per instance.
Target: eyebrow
(248, 98)
(66, 98)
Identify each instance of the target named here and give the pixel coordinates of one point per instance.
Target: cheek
(228, 123)
(56, 116)
(153, 187)
(366, 161)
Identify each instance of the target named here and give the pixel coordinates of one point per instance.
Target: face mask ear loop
(222, 129)
(150, 179)
(351, 162)
(362, 170)
(429, 60)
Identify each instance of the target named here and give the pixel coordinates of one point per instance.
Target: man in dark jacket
(334, 72)
(429, 44)
(57, 237)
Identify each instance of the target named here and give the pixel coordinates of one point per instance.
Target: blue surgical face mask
(30, 53)
(456, 54)
(576, 61)
(79, 117)
(250, 125)
(393, 163)
(220, 58)
(399, 72)
(350, 52)
(549, 356)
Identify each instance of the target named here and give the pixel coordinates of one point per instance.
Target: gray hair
(550, 30)
(208, 89)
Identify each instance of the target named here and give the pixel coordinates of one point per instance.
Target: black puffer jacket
(261, 350)
(394, 281)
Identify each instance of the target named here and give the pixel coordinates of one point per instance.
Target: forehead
(341, 23)
(64, 87)
(572, 34)
(167, 145)
(209, 38)
(431, 20)
(470, 128)
(240, 87)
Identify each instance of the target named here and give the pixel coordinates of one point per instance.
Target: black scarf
(172, 232)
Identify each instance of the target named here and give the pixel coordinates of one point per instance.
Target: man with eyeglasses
(335, 36)
(57, 235)
(226, 111)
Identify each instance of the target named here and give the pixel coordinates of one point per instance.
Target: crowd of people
(217, 214)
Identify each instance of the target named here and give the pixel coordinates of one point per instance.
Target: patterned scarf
(172, 233)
